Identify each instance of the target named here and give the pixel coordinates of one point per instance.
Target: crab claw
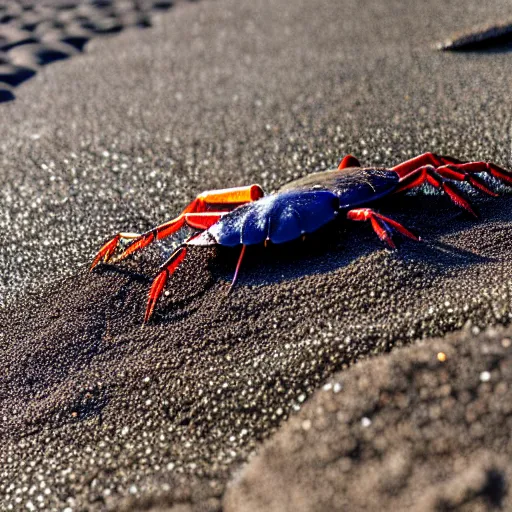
(106, 252)
(138, 243)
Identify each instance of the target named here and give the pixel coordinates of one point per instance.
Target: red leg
(167, 269)
(408, 166)
(207, 203)
(428, 174)
(454, 173)
(349, 161)
(107, 250)
(194, 220)
(381, 225)
(416, 178)
(454, 169)
(468, 169)
(242, 252)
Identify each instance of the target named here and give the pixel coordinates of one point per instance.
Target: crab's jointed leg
(169, 267)
(107, 250)
(412, 164)
(454, 169)
(235, 276)
(209, 203)
(459, 174)
(429, 174)
(166, 270)
(200, 221)
(381, 225)
(194, 220)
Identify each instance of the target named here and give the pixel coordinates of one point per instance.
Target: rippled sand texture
(37, 33)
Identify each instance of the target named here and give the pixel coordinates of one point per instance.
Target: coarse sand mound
(425, 428)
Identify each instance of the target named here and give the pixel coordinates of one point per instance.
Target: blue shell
(278, 218)
(302, 206)
(354, 186)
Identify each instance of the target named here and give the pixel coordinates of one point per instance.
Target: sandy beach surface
(254, 401)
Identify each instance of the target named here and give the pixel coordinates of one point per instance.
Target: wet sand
(109, 413)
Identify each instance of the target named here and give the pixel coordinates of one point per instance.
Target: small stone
(306, 425)
(485, 376)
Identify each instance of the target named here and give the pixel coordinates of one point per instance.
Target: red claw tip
(105, 252)
(95, 262)
(391, 244)
(155, 292)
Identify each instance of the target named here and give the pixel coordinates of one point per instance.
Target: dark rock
(10, 37)
(488, 37)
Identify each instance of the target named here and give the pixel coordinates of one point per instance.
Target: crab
(245, 216)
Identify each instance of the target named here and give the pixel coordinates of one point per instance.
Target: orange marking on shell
(202, 220)
(232, 195)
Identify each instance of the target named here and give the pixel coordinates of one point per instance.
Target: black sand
(105, 411)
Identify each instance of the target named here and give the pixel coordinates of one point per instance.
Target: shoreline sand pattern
(36, 33)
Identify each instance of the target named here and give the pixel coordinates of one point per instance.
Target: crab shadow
(140, 271)
(339, 245)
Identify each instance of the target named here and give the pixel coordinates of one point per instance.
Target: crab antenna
(242, 252)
